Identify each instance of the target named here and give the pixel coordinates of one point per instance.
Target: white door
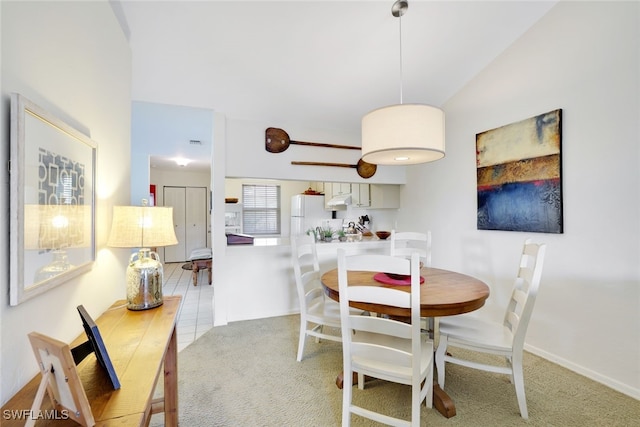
(175, 197)
(189, 221)
(195, 219)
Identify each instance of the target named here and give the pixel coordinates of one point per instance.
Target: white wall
(72, 59)
(582, 57)
(248, 158)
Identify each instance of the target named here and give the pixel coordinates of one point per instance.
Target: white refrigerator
(307, 212)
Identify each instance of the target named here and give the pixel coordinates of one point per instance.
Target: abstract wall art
(519, 175)
(52, 201)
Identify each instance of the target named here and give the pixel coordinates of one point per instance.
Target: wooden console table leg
(171, 382)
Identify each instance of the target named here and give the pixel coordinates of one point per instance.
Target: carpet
(246, 374)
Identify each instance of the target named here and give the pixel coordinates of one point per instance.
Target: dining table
(443, 293)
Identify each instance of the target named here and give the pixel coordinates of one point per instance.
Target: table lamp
(143, 227)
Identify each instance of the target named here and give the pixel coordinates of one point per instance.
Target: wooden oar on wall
(365, 170)
(277, 140)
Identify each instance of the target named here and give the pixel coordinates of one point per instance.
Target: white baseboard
(609, 382)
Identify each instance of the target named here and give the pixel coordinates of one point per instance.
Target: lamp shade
(142, 226)
(403, 134)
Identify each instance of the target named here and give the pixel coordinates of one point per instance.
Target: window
(261, 209)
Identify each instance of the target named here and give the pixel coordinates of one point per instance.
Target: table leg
(171, 382)
(340, 379)
(194, 272)
(441, 400)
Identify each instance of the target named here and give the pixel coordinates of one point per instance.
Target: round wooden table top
(443, 293)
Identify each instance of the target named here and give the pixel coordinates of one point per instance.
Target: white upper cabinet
(360, 195)
(339, 188)
(385, 196)
(375, 196)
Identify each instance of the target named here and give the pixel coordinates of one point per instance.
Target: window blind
(261, 209)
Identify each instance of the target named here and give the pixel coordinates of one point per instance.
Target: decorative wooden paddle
(277, 140)
(365, 170)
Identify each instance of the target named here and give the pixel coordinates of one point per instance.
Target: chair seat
(200, 253)
(469, 330)
(327, 310)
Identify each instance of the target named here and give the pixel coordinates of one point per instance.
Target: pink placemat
(383, 278)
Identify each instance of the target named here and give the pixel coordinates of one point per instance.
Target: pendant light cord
(401, 76)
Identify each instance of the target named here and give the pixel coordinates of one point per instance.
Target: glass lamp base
(144, 280)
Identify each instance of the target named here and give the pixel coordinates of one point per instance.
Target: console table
(140, 344)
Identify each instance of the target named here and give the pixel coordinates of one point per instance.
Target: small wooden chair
(200, 258)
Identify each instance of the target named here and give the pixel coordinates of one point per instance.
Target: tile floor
(195, 316)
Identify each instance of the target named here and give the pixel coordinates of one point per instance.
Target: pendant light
(403, 134)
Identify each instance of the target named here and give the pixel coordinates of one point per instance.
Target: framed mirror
(52, 201)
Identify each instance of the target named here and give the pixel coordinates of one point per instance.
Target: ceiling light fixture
(182, 162)
(403, 134)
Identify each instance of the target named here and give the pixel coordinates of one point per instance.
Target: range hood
(341, 200)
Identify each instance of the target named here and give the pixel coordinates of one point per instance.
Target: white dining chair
(319, 315)
(383, 348)
(504, 338)
(404, 243)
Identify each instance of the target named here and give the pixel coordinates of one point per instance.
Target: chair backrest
(525, 290)
(404, 243)
(390, 296)
(306, 269)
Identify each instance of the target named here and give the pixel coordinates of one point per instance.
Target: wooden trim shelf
(141, 345)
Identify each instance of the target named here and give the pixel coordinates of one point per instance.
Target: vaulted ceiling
(322, 64)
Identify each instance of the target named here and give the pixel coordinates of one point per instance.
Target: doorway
(189, 221)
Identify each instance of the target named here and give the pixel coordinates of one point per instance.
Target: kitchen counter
(286, 241)
(264, 270)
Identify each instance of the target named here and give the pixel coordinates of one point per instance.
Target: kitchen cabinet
(385, 196)
(339, 188)
(333, 189)
(317, 186)
(376, 196)
(360, 195)
(328, 194)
